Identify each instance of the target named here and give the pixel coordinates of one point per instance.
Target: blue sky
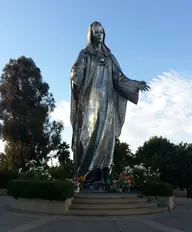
(147, 37)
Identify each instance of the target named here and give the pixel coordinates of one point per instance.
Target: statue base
(98, 180)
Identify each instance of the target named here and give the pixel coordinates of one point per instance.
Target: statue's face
(97, 34)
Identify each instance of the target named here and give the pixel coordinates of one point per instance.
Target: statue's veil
(89, 46)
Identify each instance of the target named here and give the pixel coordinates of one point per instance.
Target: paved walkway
(179, 220)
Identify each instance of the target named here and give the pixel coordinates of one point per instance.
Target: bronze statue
(99, 95)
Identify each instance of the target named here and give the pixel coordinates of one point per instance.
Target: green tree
(25, 107)
(122, 156)
(173, 160)
(5, 163)
(63, 154)
(156, 152)
(66, 168)
(181, 166)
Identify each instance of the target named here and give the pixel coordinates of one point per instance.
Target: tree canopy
(155, 152)
(173, 160)
(25, 107)
(123, 156)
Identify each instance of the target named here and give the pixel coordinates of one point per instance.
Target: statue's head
(96, 34)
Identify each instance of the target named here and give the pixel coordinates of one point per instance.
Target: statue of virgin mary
(99, 95)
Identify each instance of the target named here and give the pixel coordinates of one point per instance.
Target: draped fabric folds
(99, 95)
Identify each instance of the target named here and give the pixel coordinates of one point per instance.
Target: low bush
(5, 177)
(157, 188)
(47, 190)
(141, 174)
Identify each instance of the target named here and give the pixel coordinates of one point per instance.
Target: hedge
(5, 177)
(157, 188)
(47, 190)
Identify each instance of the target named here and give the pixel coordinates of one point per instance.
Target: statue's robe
(99, 96)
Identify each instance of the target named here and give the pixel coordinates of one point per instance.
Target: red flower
(123, 176)
(76, 179)
(130, 179)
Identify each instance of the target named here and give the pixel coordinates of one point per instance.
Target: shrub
(33, 171)
(157, 188)
(141, 174)
(36, 173)
(61, 173)
(5, 177)
(48, 190)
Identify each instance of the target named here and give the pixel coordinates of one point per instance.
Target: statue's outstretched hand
(143, 86)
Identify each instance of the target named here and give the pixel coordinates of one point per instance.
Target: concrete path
(179, 220)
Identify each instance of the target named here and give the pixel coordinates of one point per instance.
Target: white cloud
(62, 112)
(165, 110)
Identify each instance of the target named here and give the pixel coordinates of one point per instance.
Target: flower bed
(141, 174)
(133, 178)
